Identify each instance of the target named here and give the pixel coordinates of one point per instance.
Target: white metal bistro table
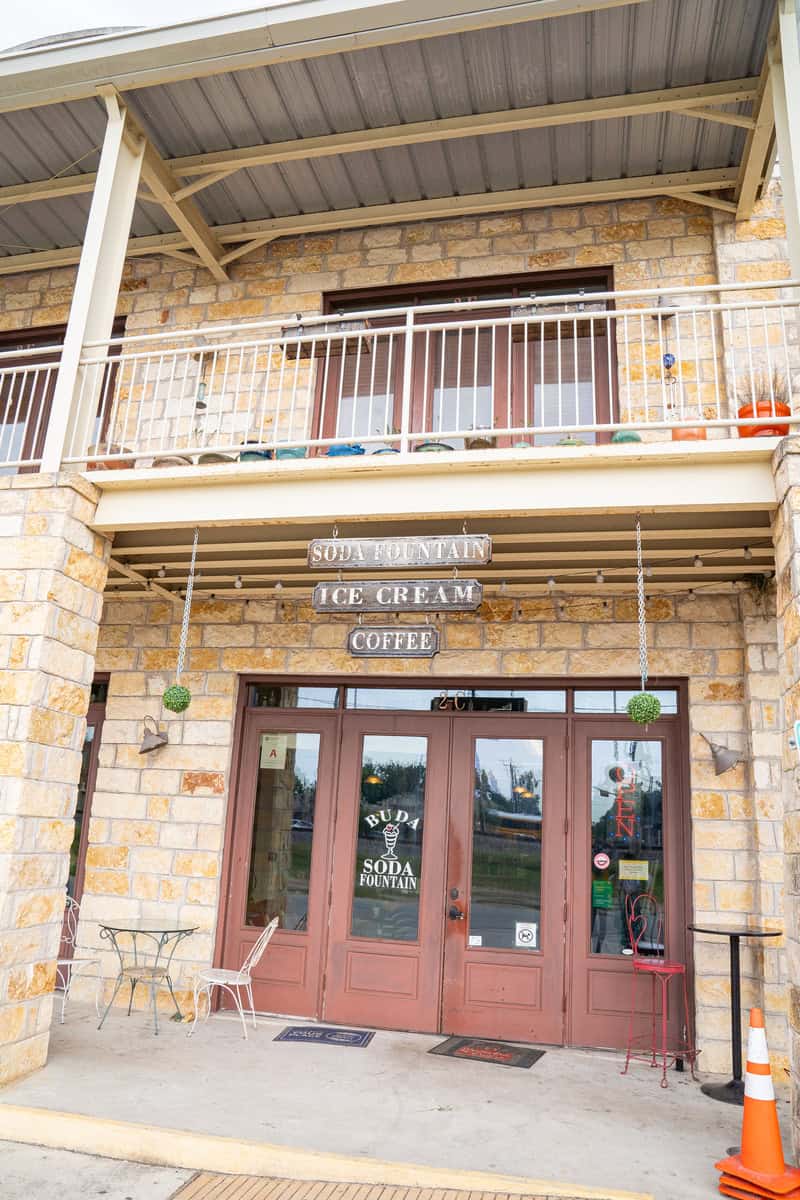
(145, 949)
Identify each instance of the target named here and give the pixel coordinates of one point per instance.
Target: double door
(448, 872)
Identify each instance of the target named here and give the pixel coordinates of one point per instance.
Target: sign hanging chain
(642, 606)
(187, 608)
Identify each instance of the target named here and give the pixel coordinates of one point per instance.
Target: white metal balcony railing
(671, 363)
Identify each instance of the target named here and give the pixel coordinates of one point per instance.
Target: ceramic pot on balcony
(290, 452)
(432, 447)
(110, 464)
(255, 454)
(344, 451)
(480, 442)
(625, 435)
(689, 433)
(764, 408)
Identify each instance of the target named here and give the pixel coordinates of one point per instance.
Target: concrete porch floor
(572, 1117)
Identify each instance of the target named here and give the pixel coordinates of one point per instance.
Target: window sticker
(526, 935)
(273, 750)
(633, 868)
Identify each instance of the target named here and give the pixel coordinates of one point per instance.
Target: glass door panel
(506, 874)
(627, 838)
(283, 829)
(390, 828)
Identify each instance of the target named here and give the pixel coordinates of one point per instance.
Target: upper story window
(476, 371)
(28, 371)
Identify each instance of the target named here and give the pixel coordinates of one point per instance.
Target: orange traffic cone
(759, 1169)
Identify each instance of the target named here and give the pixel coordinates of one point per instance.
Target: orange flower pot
(764, 408)
(689, 433)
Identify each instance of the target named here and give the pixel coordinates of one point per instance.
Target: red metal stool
(646, 933)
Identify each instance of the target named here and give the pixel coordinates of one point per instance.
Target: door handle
(455, 913)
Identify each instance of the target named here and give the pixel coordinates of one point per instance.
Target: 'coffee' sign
(462, 550)
(403, 641)
(416, 595)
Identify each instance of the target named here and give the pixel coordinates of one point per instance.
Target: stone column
(52, 574)
(763, 962)
(786, 536)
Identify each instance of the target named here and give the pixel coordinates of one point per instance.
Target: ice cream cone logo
(391, 833)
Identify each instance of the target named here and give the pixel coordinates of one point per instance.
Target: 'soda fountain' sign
(398, 595)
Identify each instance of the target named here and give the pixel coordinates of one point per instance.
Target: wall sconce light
(722, 757)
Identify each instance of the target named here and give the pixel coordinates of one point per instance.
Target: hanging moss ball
(644, 708)
(176, 698)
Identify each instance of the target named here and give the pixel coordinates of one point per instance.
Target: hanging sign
(403, 595)
(401, 641)
(460, 550)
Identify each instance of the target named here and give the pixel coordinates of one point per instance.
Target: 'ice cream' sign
(392, 595)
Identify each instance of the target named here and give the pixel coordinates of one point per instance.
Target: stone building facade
(156, 835)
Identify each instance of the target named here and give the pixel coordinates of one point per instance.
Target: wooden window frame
(30, 339)
(495, 287)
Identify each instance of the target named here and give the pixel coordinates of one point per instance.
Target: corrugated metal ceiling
(665, 43)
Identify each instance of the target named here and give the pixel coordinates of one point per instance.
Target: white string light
(600, 577)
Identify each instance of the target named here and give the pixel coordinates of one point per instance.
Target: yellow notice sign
(633, 868)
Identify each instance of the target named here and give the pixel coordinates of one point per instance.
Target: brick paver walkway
(206, 1186)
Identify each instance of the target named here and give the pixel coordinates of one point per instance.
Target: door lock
(455, 913)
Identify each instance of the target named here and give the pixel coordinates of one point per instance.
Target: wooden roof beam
(163, 184)
(213, 167)
(597, 191)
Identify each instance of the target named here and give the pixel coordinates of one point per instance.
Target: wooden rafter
(213, 167)
(705, 201)
(158, 176)
(675, 183)
(130, 573)
(758, 146)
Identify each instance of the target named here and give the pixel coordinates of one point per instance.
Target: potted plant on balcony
(764, 396)
(432, 446)
(109, 464)
(389, 431)
(344, 449)
(480, 439)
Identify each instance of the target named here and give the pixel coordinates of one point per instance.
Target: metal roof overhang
(323, 115)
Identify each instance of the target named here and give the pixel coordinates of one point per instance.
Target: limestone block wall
(156, 831)
(52, 574)
(786, 534)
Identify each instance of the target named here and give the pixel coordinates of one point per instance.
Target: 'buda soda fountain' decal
(389, 871)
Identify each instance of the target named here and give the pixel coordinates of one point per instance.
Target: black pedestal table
(732, 1092)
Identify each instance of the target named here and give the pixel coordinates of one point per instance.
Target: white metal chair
(233, 982)
(68, 968)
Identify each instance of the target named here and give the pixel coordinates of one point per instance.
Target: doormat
(503, 1054)
(324, 1036)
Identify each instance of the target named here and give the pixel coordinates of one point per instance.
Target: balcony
(588, 368)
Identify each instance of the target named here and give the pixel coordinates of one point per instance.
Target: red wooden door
(385, 949)
(626, 838)
(504, 943)
(280, 858)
